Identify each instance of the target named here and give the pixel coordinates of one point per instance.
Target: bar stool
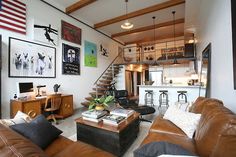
(149, 97)
(183, 96)
(163, 99)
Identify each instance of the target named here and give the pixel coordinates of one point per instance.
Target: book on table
(113, 119)
(122, 112)
(96, 120)
(94, 114)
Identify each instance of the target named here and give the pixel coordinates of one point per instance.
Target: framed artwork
(70, 33)
(29, 59)
(71, 60)
(233, 14)
(45, 32)
(90, 54)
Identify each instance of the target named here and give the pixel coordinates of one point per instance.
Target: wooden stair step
(85, 104)
(108, 77)
(98, 93)
(110, 70)
(100, 89)
(105, 81)
(103, 85)
(89, 98)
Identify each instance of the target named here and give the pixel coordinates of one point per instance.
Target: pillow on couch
(20, 117)
(155, 149)
(39, 131)
(186, 121)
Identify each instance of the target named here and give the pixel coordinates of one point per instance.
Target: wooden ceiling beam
(146, 28)
(78, 5)
(140, 12)
(151, 39)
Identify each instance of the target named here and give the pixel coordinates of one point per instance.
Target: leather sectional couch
(215, 135)
(13, 144)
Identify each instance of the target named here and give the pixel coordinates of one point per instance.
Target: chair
(52, 104)
(122, 98)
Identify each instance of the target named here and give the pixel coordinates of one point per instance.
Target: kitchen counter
(192, 92)
(170, 86)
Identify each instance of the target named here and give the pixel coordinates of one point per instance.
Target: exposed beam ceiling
(140, 12)
(78, 5)
(151, 39)
(146, 28)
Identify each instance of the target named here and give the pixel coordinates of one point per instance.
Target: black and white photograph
(29, 59)
(45, 32)
(71, 60)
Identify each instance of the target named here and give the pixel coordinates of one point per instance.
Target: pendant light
(154, 37)
(175, 59)
(127, 24)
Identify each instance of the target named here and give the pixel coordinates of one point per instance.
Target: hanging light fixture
(127, 24)
(154, 37)
(175, 59)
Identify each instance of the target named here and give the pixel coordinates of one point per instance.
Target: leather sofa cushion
(201, 102)
(227, 141)
(213, 122)
(165, 126)
(58, 145)
(13, 144)
(80, 149)
(182, 141)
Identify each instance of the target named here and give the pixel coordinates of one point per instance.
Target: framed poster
(90, 54)
(29, 59)
(70, 33)
(71, 60)
(233, 14)
(45, 32)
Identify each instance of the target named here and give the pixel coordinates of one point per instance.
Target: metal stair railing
(113, 73)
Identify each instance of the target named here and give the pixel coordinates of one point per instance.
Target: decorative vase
(99, 107)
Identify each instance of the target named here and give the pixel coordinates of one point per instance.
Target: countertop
(170, 86)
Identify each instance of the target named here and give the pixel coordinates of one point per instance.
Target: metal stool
(183, 96)
(149, 97)
(163, 99)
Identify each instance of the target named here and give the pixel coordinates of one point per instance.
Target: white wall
(79, 85)
(214, 26)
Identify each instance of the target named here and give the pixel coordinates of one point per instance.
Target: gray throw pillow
(155, 149)
(39, 131)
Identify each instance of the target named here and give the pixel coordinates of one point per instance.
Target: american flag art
(13, 16)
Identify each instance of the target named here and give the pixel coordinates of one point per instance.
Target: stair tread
(100, 89)
(94, 93)
(89, 98)
(104, 80)
(86, 104)
(103, 84)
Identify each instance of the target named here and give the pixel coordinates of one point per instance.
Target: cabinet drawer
(66, 108)
(32, 108)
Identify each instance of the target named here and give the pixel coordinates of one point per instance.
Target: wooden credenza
(34, 107)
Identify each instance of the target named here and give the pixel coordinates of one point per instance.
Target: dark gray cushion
(39, 131)
(155, 149)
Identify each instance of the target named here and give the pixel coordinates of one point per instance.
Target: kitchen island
(192, 92)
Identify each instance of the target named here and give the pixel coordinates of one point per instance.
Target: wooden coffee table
(115, 140)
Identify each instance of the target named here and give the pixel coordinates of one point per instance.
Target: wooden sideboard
(34, 107)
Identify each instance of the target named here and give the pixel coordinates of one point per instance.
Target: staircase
(102, 84)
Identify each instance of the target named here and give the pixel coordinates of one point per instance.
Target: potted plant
(101, 103)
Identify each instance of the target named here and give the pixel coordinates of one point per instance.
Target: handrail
(107, 68)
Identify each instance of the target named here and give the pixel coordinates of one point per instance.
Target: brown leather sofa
(13, 144)
(215, 135)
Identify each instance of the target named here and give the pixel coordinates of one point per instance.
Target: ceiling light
(127, 24)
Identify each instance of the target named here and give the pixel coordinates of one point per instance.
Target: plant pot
(99, 107)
